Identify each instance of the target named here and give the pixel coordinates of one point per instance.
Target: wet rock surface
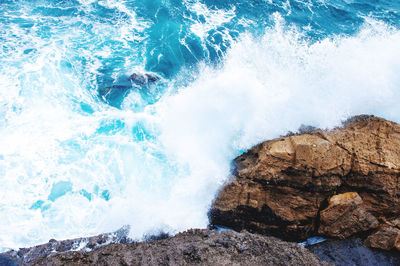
(352, 252)
(142, 79)
(6, 260)
(28, 256)
(283, 187)
(193, 247)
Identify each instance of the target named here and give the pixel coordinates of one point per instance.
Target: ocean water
(84, 150)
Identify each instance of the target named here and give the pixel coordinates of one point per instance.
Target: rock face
(194, 247)
(386, 238)
(287, 186)
(345, 216)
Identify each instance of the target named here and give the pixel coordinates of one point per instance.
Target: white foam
(47, 138)
(212, 18)
(267, 87)
(271, 85)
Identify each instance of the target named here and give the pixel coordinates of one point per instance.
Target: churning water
(84, 150)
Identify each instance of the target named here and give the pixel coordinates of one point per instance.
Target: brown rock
(280, 186)
(345, 216)
(386, 238)
(395, 222)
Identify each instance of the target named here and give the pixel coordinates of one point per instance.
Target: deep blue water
(86, 149)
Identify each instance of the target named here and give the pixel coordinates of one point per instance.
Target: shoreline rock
(27, 256)
(338, 183)
(353, 252)
(195, 246)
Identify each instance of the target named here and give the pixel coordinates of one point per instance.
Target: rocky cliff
(338, 183)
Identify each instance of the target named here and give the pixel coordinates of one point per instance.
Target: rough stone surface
(280, 187)
(26, 256)
(194, 247)
(386, 238)
(353, 252)
(345, 216)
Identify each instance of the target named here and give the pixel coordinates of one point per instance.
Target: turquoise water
(85, 150)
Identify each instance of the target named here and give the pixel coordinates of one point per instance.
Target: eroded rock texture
(386, 238)
(283, 186)
(345, 216)
(194, 247)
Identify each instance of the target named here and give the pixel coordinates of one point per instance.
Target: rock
(29, 255)
(116, 93)
(7, 261)
(386, 238)
(142, 79)
(395, 222)
(345, 216)
(199, 247)
(280, 187)
(352, 252)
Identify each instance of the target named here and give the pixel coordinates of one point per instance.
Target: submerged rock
(115, 94)
(200, 247)
(282, 187)
(143, 79)
(352, 252)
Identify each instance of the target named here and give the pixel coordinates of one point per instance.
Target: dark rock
(306, 129)
(28, 255)
(116, 93)
(200, 247)
(158, 236)
(7, 261)
(65, 246)
(143, 79)
(352, 252)
(191, 254)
